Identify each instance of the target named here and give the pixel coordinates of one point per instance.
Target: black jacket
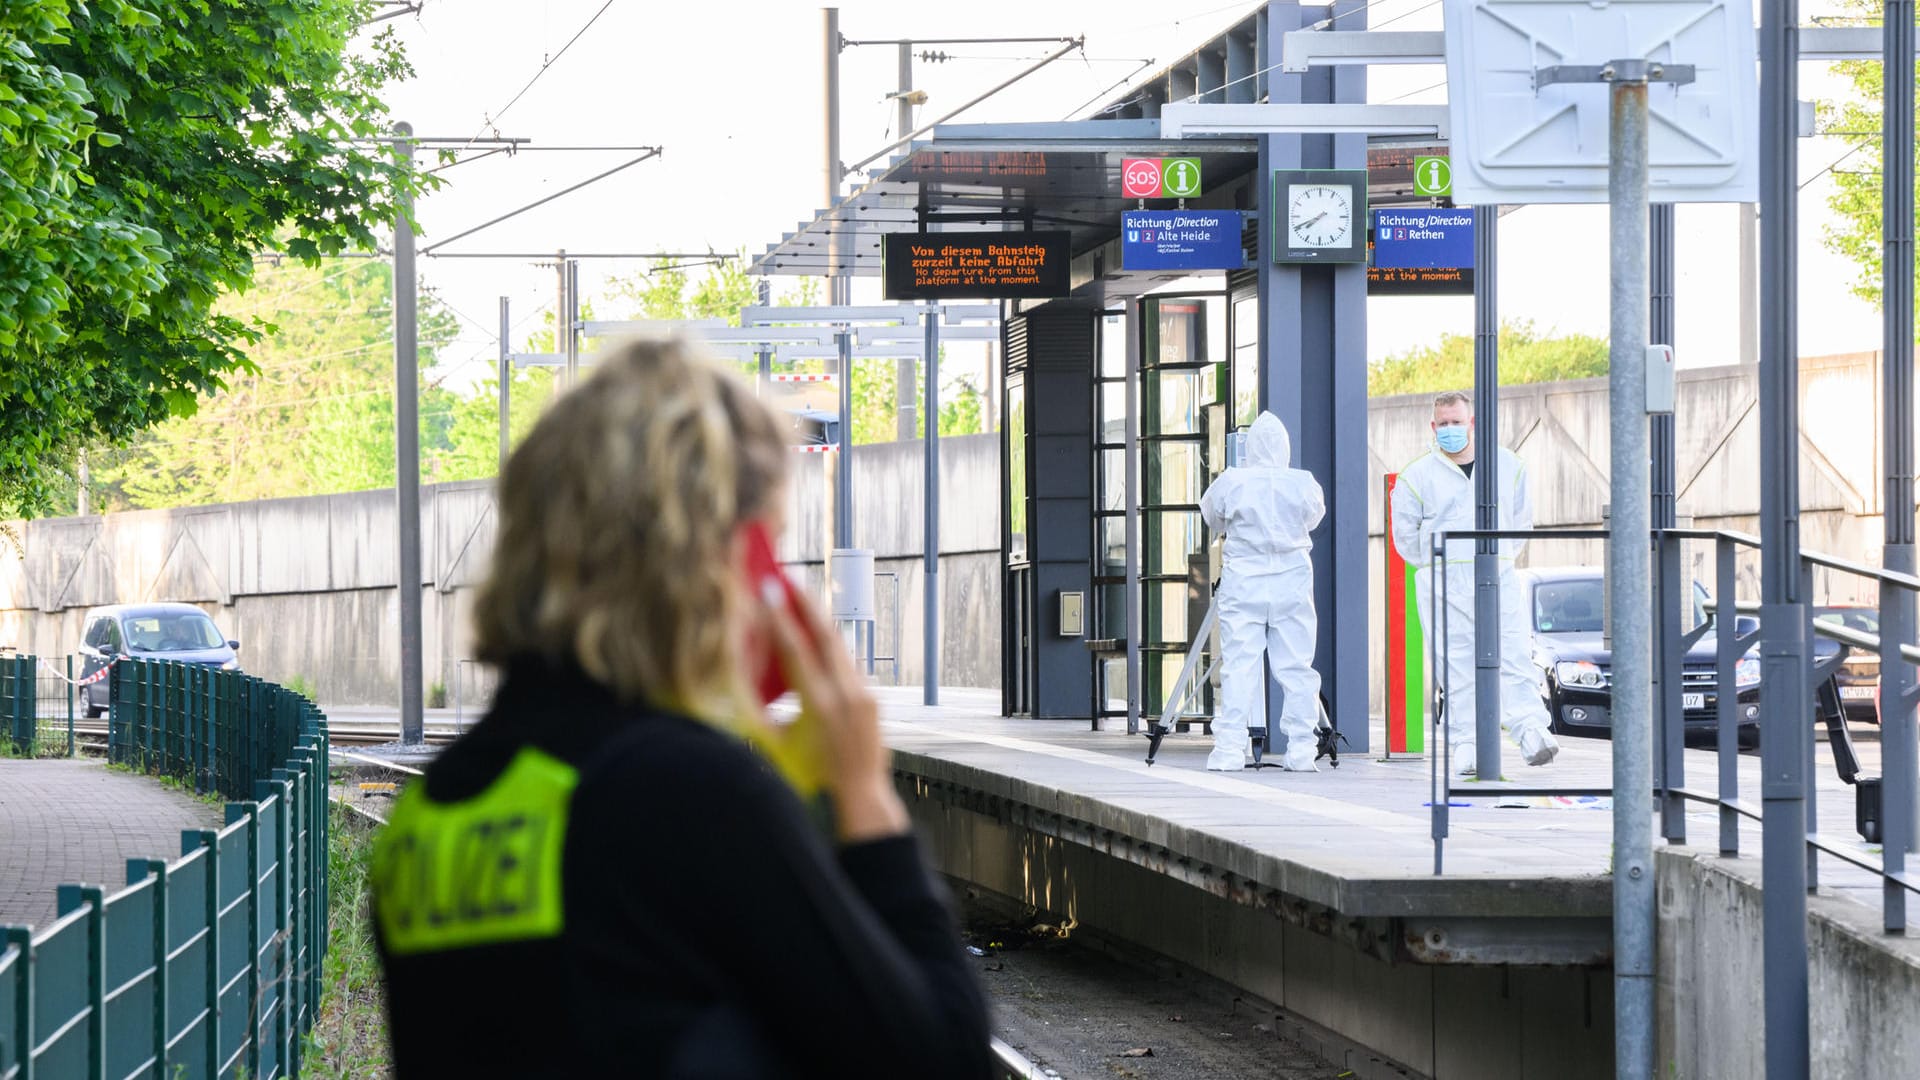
(709, 928)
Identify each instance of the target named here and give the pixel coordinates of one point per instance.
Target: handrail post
(1727, 690)
(1810, 731)
(1670, 744)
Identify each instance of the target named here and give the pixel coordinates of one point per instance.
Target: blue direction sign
(1181, 240)
(1422, 239)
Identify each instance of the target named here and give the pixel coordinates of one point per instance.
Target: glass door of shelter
(1182, 361)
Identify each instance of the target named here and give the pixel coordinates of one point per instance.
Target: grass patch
(349, 1037)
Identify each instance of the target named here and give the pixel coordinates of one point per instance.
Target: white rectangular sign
(1514, 141)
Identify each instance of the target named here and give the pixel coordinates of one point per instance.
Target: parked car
(1859, 676)
(1574, 664)
(179, 632)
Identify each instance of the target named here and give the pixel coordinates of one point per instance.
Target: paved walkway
(69, 821)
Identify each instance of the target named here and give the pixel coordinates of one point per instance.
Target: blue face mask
(1451, 437)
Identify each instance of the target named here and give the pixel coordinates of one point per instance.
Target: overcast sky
(731, 90)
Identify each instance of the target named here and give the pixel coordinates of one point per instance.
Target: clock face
(1320, 215)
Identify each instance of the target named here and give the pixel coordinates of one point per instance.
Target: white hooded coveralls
(1434, 496)
(1265, 510)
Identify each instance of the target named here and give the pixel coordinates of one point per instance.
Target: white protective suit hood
(1264, 507)
(1268, 444)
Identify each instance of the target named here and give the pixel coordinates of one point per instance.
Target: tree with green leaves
(1526, 356)
(1856, 200)
(311, 413)
(147, 156)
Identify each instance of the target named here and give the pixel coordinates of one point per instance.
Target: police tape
(816, 448)
(86, 681)
(803, 377)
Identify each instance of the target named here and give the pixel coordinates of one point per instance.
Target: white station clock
(1320, 215)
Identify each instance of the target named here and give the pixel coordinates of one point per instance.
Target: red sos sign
(1140, 178)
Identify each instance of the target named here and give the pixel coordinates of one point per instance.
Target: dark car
(179, 632)
(1859, 676)
(1569, 650)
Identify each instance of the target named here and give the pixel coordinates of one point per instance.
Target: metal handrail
(1726, 798)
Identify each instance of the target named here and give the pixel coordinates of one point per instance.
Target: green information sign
(1432, 177)
(1180, 177)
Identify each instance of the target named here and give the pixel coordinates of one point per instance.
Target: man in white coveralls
(1435, 495)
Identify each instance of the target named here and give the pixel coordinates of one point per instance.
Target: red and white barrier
(816, 448)
(88, 681)
(803, 378)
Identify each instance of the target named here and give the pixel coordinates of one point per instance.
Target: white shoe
(1224, 760)
(1466, 763)
(1300, 763)
(1539, 746)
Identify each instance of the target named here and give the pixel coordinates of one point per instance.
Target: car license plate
(1693, 701)
(1856, 693)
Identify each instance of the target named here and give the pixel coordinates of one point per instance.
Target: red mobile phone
(776, 590)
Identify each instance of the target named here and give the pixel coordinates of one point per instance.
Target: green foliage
(1526, 356)
(312, 414)
(144, 160)
(349, 1036)
(437, 696)
(302, 686)
(1855, 199)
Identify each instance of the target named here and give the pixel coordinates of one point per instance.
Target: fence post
(210, 840)
(251, 812)
(70, 692)
(139, 870)
(284, 924)
(21, 937)
(70, 898)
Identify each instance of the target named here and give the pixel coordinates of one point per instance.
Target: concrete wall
(308, 585)
(1864, 987)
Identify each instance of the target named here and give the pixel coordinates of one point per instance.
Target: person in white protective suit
(1264, 509)
(1434, 495)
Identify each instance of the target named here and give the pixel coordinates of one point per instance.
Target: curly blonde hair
(616, 522)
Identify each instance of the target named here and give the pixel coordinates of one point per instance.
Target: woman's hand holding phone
(840, 716)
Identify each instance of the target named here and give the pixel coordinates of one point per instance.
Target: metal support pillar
(1749, 306)
(1670, 597)
(843, 465)
(506, 386)
(1898, 767)
(1784, 691)
(560, 310)
(1627, 583)
(1486, 487)
(1312, 353)
(1136, 346)
(930, 617)
(573, 323)
(406, 438)
(905, 376)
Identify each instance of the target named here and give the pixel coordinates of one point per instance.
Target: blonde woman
(614, 873)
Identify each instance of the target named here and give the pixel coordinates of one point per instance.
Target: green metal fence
(38, 705)
(207, 965)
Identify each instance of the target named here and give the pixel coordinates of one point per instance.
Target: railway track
(339, 732)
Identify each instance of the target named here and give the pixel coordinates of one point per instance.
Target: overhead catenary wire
(545, 66)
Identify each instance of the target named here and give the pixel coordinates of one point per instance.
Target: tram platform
(1353, 842)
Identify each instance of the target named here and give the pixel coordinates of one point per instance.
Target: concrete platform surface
(1356, 839)
(76, 821)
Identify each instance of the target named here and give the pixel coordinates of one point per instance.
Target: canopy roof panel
(996, 178)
